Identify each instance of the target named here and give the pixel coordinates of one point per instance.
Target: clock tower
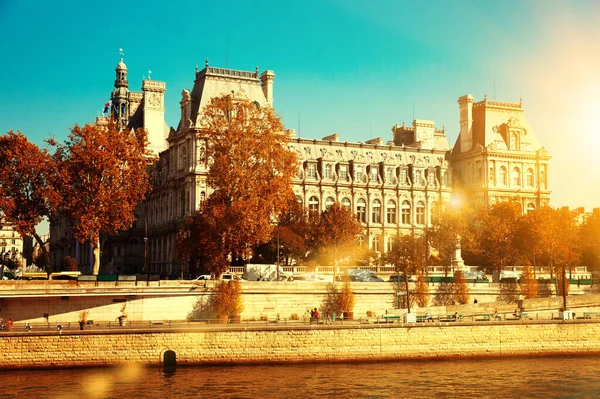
(154, 114)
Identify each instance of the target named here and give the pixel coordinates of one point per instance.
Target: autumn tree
(104, 177)
(589, 237)
(250, 173)
(448, 227)
(495, 233)
(406, 255)
(28, 190)
(69, 264)
(460, 288)
(336, 232)
(421, 290)
(528, 283)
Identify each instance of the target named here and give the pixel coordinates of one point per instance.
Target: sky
(350, 67)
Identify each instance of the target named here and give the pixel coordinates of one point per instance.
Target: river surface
(553, 377)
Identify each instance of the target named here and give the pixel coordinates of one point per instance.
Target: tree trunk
(96, 266)
(42, 246)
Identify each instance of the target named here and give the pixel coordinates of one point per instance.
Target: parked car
(231, 276)
(203, 277)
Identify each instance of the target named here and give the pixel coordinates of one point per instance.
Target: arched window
(514, 141)
(390, 244)
(346, 203)
(542, 179)
(376, 211)
(516, 177)
(406, 219)
(391, 212)
(502, 175)
(361, 210)
(530, 207)
(329, 202)
(420, 212)
(361, 241)
(530, 177)
(375, 244)
(313, 205)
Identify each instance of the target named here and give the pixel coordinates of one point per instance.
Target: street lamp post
(278, 250)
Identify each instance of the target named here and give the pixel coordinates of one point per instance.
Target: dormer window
(327, 174)
(514, 141)
(374, 174)
(312, 171)
(358, 173)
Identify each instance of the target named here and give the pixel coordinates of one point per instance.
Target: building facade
(392, 185)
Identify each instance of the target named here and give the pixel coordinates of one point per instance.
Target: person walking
(9, 324)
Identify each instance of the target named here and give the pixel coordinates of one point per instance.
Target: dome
(121, 65)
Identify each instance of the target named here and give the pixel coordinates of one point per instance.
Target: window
(388, 176)
(374, 174)
(543, 179)
(514, 141)
(313, 205)
(516, 177)
(530, 177)
(329, 202)
(361, 209)
(375, 244)
(358, 173)
(445, 181)
(406, 212)
(183, 158)
(376, 211)
(491, 175)
(417, 177)
(390, 244)
(344, 172)
(530, 207)
(403, 176)
(361, 241)
(502, 175)
(420, 212)
(346, 203)
(312, 171)
(327, 174)
(391, 212)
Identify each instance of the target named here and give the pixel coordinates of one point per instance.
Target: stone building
(497, 157)
(392, 185)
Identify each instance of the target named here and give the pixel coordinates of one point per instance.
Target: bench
(391, 317)
(452, 317)
(424, 318)
(590, 315)
(526, 316)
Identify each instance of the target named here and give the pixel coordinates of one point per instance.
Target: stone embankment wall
(302, 344)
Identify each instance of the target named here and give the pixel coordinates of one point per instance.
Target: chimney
(266, 82)
(465, 106)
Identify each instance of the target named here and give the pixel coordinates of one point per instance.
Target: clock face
(154, 99)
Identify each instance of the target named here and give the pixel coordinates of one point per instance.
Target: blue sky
(349, 67)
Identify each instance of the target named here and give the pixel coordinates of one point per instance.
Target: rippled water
(571, 377)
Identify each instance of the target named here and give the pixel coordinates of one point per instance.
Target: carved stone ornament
(154, 99)
(514, 122)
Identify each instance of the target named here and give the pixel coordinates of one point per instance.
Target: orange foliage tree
(335, 231)
(28, 190)
(104, 177)
(529, 285)
(250, 174)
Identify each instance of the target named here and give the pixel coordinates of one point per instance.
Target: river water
(550, 377)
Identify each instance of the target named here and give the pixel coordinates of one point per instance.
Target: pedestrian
(9, 324)
(475, 301)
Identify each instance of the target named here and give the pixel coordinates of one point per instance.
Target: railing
(90, 326)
